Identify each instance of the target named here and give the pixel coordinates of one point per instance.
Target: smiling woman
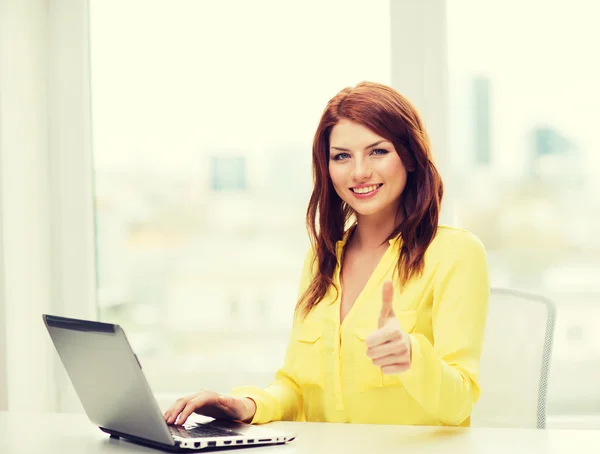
(408, 202)
(392, 307)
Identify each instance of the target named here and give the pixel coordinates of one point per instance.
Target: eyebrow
(366, 148)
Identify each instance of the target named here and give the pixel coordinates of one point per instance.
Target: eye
(379, 151)
(340, 156)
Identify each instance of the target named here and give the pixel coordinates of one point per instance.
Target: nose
(362, 171)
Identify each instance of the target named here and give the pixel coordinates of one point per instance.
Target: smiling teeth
(365, 190)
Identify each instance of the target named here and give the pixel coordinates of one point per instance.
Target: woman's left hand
(389, 347)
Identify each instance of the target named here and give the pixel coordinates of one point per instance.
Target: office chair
(515, 361)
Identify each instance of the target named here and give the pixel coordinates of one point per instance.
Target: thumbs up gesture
(389, 347)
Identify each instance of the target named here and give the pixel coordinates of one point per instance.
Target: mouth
(366, 189)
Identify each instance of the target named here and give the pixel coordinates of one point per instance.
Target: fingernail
(223, 400)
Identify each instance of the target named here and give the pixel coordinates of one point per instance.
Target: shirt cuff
(414, 375)
(261, 398)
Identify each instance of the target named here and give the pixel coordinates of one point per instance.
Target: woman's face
(365, 169)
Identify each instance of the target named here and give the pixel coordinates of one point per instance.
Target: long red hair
(390, 115)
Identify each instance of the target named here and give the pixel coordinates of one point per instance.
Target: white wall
(24, 187)
(3, 321)
(45, 190)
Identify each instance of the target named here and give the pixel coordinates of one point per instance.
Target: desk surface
(72, 433)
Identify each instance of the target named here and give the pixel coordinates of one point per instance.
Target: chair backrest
(515, 361)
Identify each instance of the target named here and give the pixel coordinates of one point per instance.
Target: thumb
(387, 296)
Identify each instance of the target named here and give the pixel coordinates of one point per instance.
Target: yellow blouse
(327, 375)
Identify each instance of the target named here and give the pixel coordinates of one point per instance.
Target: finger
(395, 347)
(172, 413)
(194, 404)
(185, 413)
(224, 407)
(176, 408)
(387, 297)
(383, 335)
(390, 360)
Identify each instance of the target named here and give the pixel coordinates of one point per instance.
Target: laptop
(115, 394)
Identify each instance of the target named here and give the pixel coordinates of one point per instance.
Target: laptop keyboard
(201, 431)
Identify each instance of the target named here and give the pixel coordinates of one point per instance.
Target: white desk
(50, 433)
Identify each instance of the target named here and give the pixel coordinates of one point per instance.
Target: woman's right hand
(214, 405)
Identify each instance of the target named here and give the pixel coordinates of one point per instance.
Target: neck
(373, 231)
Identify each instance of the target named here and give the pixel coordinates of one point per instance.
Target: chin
(366, 211)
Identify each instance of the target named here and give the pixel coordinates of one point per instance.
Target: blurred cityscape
(200, 247)
(538, 219)
(202, 267)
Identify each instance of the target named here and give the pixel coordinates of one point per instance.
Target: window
(228, 173)
(525, 167)
(203, 115)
